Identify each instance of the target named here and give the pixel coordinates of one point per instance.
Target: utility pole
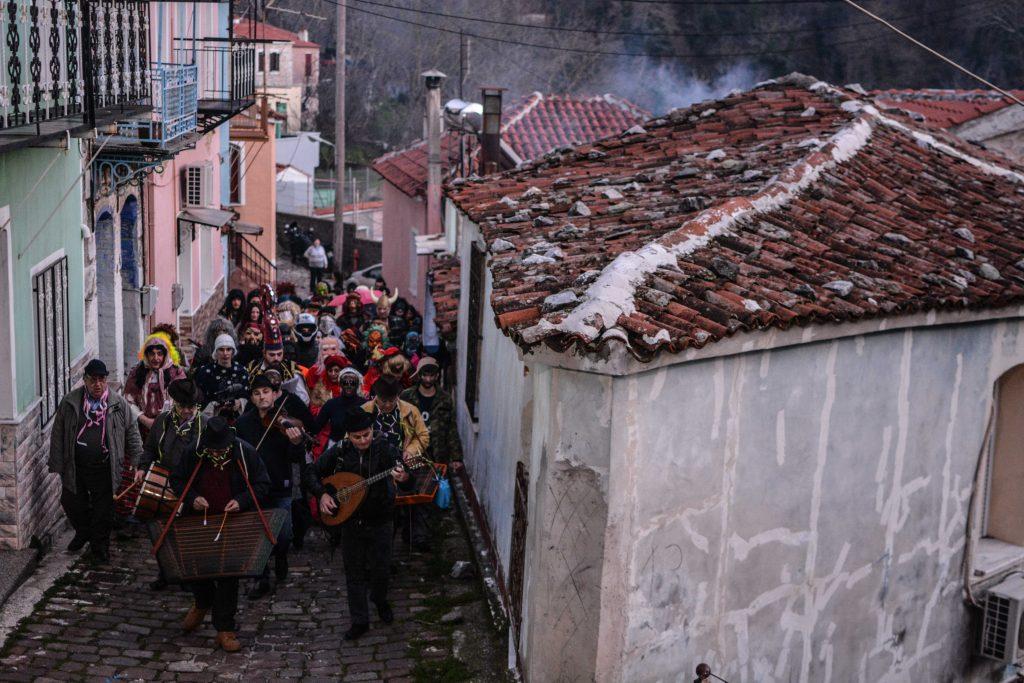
(463, 61)
(338, 240)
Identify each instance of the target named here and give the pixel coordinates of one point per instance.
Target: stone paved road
(104, 624)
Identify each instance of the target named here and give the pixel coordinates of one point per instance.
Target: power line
(667, 34)
(610, 53)
(941, 56)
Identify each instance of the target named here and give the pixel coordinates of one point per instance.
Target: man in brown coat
(93, 435)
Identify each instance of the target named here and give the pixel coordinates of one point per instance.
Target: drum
(156, 497)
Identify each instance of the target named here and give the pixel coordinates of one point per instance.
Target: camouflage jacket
(445, 445)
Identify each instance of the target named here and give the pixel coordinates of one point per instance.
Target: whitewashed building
(743, 386)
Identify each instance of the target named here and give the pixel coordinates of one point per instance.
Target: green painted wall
(19, 172)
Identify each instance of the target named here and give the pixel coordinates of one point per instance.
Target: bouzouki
(350, 489)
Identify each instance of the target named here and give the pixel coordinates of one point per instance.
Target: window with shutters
(275, 61)
(259, 62)
(197, 186)
(474, 333)
(236, 164)
(53, 343)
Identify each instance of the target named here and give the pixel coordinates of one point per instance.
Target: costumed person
(253, 314)
(172, 333)
(92, 440)
(333, 413)
(234, 307)
(288, 312)
(279, 442)
(390, 363)
(383, 305)
(307, 348)
(366, 535)
(324, 385)
(146, 386)
(412, 349)
(316, 257)
(250, 347)
(398, 325)
(326, 324)
(438, 412)
(351, 317)
(353, 349)
(273, 358)
(219, 487)
(225, 382)
(398, 421)
(204, 352)
(320, 295)
(175, 432)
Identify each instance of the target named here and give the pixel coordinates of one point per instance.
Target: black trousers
(222, 596)
(366, 552)
(314, 277)
(90, 509)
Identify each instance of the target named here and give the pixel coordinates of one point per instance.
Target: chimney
(433, 80)
(304, 35)
(490, 139)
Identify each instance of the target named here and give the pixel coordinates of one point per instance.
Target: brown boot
(193, 619)
(227, 641)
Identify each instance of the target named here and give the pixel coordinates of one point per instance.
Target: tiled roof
(444, 290)
(538, 124)
(546, 122)
(945, 108)
(790, 204)
(246, 28)
(406, 168)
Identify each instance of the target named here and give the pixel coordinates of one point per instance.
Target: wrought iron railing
(246, 257)
(65, 58)
(227, 69)
(175, 102)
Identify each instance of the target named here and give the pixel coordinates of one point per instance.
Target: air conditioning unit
(150, 294)
(1003, 607)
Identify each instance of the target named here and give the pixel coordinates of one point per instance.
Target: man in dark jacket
(174, 433)
(93, 436)
(438, 411)
(223, 463)
(279, 449)
(366, 535)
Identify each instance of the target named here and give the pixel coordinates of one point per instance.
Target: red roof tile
(259, 30)
(406, 168)
(546, 122)
(444, 290)
(531, 128)
(790, 204)
(946, 108)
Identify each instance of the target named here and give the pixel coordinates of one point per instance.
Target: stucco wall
(259, 204)
(43, 190)
(799, 514)
(402, 215)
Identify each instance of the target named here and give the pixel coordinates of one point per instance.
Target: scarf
(216, 457)
(95, 416)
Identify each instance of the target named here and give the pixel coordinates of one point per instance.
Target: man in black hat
(219, 486)
(174, 433)
(366, 535)
(279, 449)
(93, 436)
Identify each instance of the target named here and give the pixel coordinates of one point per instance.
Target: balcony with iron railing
(67, 66)
(227, 77)
(175, 106)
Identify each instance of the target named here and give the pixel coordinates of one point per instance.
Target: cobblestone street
(105, 624)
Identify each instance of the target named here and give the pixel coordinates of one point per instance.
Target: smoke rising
(660, 87)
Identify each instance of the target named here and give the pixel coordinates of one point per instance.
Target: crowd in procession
(282, 393)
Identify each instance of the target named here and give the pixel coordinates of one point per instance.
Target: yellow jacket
(415, 435)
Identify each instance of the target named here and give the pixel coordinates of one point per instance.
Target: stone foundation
(29, 494)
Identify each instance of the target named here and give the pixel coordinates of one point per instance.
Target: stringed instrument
(351, 489)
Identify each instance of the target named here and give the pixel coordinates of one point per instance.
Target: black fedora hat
(185, 392)
(217, 435)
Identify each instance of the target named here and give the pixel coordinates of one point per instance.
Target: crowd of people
(281, 393)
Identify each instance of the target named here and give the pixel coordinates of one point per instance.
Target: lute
(351, 489)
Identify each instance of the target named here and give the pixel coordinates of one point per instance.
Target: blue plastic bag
(443, 498)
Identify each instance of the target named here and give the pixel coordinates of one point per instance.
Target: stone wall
(29, 494)
(369, 250)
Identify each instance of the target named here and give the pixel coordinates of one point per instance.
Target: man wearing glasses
(93, 435)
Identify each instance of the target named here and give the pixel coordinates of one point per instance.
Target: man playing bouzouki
(366, 535)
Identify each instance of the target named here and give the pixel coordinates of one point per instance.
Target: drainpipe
(433, 80)
(490, 139)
